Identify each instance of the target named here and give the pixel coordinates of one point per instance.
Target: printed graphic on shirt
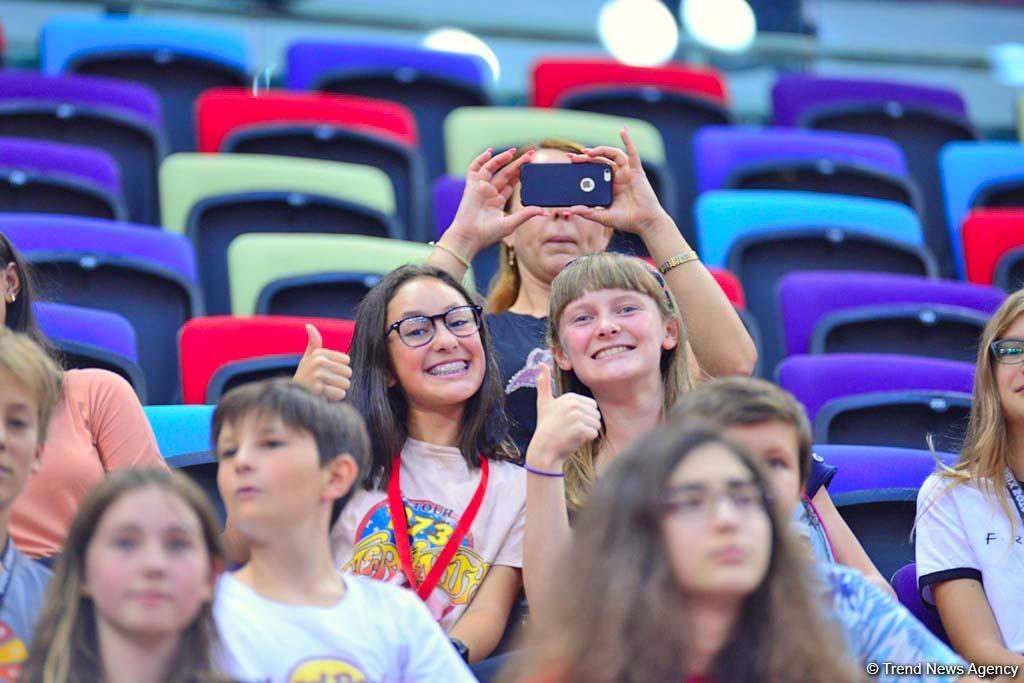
(12, 653)
(527, 375)
(326, 670)
(430, 526)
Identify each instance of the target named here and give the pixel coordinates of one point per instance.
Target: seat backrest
(254, 260)
(988, 235)
(906, 418)
(904, 582)
(447, 193)
(553, 77)
(882, 520)
(967, 167)
(96, 327)
(874, 467)
(796, 95)
(180, 430)
(815, 380)
(468, 131)
(207, 344)
(125, 119)
(721, 152)
(805, 297)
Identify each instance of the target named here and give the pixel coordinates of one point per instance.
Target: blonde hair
(987, 451)
(32, 367)
(504, 287)
(65, 647)
(612, 271)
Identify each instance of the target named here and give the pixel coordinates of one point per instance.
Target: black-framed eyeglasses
(1008, 351)
(419, 330)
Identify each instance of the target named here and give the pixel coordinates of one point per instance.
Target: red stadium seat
(988, 235)
(222, 111)
(729, 283)
(553, 78)
(207, 345)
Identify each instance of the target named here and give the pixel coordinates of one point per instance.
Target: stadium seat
(50, 177)
(91, 338)
(318, 270)
(919, 119)
(883, 521)
(220, 352)
(177, 60)
(123, 119)
(183, 435)
(989, 237)
(761, 235)
(881, 399)
(213, 198)
(677, 99)
(836, 312)
(863, 468)
(904, 582)
(319, 126)
(979, 175)
(802, 160)
(148, 276)
(431, 83)
(1020, 117)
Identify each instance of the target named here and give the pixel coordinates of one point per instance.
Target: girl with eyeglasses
(970, 558)
(681, 569)
(441, 509)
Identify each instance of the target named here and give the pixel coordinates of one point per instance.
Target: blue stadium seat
(183, 437)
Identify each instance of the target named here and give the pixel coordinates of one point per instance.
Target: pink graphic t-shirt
(437, 485)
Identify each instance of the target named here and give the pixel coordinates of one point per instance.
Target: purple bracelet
(542, 472)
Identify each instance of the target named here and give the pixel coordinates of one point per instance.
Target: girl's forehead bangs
(602, 271)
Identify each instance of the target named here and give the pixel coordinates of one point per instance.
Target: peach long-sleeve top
(97, 426)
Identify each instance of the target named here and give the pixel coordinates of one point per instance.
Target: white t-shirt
(437, 485)
(376, 633)
(962, 533)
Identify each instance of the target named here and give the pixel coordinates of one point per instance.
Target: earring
(511, 257)
(13, 297)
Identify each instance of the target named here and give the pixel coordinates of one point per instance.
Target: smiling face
(147, 567)
(777, 445)
(611, 335)
(544, 244)
(1010, 379)
(269, 475)
(717, 531)
(447, 370)
(19, 436)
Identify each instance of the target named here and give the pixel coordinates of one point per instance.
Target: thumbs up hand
(563, 425)
(321, 370)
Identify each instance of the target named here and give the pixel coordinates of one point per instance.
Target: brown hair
(612, 271)
(336, 427)
(65, 647)
(987, 450)
(619, 615)
(21, 356)
(736, 401)
(504, 287)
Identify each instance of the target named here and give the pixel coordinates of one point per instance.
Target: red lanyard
(397, 508)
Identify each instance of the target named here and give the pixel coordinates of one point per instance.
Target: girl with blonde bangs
(968, 532)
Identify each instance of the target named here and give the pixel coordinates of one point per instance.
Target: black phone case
(566, 184)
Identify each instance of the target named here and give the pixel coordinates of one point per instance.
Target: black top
(520, 344)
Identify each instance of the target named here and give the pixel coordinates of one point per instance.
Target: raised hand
(634, 207)
(563, 425)
(321, 370)
(481, 219)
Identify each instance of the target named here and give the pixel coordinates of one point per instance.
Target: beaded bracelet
(451, 251)
(542, 472)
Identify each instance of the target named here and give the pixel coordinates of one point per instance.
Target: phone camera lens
(587, 185)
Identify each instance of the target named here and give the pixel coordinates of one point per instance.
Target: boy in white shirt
(288, 460)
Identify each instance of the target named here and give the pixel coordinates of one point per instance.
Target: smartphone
(566, 184)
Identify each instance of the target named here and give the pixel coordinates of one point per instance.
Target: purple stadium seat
(447, 193)
(725, 156)
(51, 177)
(863, 468)
(879, 312)
(91, 338)
(815, 380)
(119, 117)
(148, 276)
(904, 582)
(919, 119)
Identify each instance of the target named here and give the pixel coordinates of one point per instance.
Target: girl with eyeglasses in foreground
(442, 504)
(130, 599)
(681, 569)
(970, 558)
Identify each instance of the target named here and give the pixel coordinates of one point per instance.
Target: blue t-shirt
(880, 630)
(26, 582)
